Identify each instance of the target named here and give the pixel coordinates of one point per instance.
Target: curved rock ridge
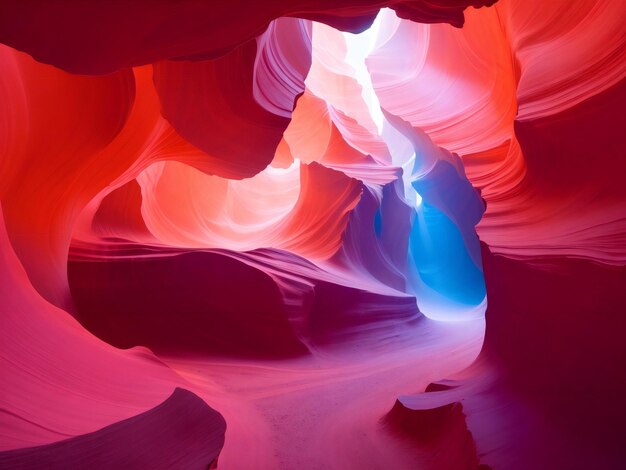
(166, 436)
(151, 32)
(550, 399)
(186, 302)
(59, 381)
(441, 430)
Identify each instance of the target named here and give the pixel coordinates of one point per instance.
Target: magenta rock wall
(348, 234)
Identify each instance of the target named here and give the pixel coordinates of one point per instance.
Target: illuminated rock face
(313, 234)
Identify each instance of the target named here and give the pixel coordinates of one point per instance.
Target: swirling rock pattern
(297, 234)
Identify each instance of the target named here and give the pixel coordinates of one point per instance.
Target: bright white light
(359, 46)
(418, 199)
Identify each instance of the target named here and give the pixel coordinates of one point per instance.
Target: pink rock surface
(313, 235)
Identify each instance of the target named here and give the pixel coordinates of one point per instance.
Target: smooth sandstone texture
(296, 234)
